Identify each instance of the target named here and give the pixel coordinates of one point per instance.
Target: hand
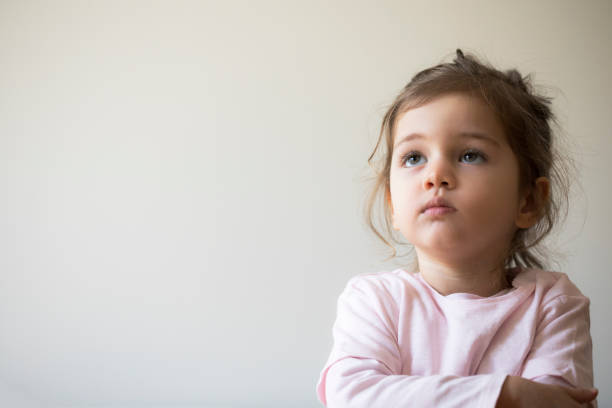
(518, 392)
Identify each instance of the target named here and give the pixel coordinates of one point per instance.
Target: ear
(532, 203)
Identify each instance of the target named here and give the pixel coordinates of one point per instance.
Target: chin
(445, 249)
(447, 240)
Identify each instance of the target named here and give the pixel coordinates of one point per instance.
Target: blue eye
(473, 156)
(412, 159)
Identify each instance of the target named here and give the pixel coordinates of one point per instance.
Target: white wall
(180, 183)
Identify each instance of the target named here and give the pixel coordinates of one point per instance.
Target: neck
(483, 278)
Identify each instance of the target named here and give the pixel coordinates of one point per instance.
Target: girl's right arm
(364, 369)
(367, 383)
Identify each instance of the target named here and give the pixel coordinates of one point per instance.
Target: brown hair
(526, 118)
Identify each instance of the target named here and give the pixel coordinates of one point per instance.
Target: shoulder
(381, 284)
(552, 284)
(555, 293)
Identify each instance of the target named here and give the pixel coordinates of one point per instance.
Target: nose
(439, 174)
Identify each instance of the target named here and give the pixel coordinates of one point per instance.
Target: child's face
(478, 177)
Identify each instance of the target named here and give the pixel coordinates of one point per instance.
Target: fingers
(582, 394)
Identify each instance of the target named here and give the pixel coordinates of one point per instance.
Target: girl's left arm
(561, 353)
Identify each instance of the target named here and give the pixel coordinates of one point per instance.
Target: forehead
(449, 114)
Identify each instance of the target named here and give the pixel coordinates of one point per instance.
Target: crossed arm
(363, 383)
(556, 373)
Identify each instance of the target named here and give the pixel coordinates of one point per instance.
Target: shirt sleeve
(365, 365)
(561, 353)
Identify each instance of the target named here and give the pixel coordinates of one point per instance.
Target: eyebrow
(468, 135)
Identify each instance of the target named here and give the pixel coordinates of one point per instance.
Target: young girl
(468, 180)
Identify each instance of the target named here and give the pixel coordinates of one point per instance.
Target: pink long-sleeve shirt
(400, 343)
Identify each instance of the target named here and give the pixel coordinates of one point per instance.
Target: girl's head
(481, 140)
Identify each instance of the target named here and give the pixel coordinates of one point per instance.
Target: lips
(438, 205)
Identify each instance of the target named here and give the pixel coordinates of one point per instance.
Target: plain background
(182, 183)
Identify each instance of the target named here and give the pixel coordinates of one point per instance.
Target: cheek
(495, 198)
(403, 194)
